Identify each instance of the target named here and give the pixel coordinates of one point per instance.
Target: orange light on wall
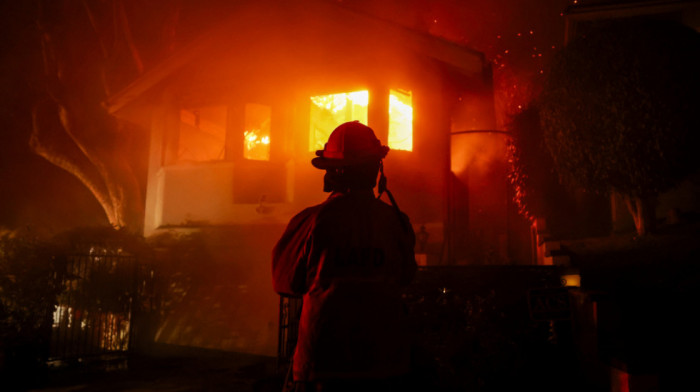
(329, 111)
(400, 120)
(256, 143)
(571, 280)
(202, 134)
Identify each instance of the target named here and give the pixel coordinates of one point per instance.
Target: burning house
(236, 116)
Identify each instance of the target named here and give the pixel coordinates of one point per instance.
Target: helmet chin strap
(381, 188)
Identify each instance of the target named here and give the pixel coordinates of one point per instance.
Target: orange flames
(328, 111)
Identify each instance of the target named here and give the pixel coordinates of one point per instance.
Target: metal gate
(94, 311)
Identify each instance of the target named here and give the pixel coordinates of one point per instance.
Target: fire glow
(327, 111)
(400, 120)
(257, 132)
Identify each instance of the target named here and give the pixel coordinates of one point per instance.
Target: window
(256, 145)
(202, 134)
(329, 111)
(400, 120)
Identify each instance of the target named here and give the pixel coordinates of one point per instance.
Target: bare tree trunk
(105, 173)
(49, 141)
(71, 129)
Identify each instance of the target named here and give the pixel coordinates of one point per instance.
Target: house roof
(297, 26)
(607, 9)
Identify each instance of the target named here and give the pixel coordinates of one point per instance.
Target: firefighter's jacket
(349, 258)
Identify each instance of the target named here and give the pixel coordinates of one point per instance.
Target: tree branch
(126, 29)
(96, 135)
(70, 127)
(50, 143)
(95, 27)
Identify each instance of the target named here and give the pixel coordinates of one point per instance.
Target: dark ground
(646, 324)
(167, 368)
(172, 368)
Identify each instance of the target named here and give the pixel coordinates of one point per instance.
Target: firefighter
(349, 258)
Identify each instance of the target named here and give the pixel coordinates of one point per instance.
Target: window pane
(329, 111)
(202, 134)
(256, 145)
(400, 120)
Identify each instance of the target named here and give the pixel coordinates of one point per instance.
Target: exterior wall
(195, 194)
(203, 194)
(235, 307)
(231, 304)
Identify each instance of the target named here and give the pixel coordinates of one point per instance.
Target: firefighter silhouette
(349, 258)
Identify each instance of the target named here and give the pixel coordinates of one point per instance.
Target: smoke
(477, 151)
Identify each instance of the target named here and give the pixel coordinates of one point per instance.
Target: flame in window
(329, 111)
(256, 147)
(256, 143)
(400, 120)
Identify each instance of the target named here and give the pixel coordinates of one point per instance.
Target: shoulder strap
(381, 187)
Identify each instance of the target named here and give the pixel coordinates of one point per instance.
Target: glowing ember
(329, 111)
(400, 120)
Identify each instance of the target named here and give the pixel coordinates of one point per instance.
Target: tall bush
(30, 281)
(620, 111)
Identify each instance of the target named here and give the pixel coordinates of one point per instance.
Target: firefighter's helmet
(350, 144)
